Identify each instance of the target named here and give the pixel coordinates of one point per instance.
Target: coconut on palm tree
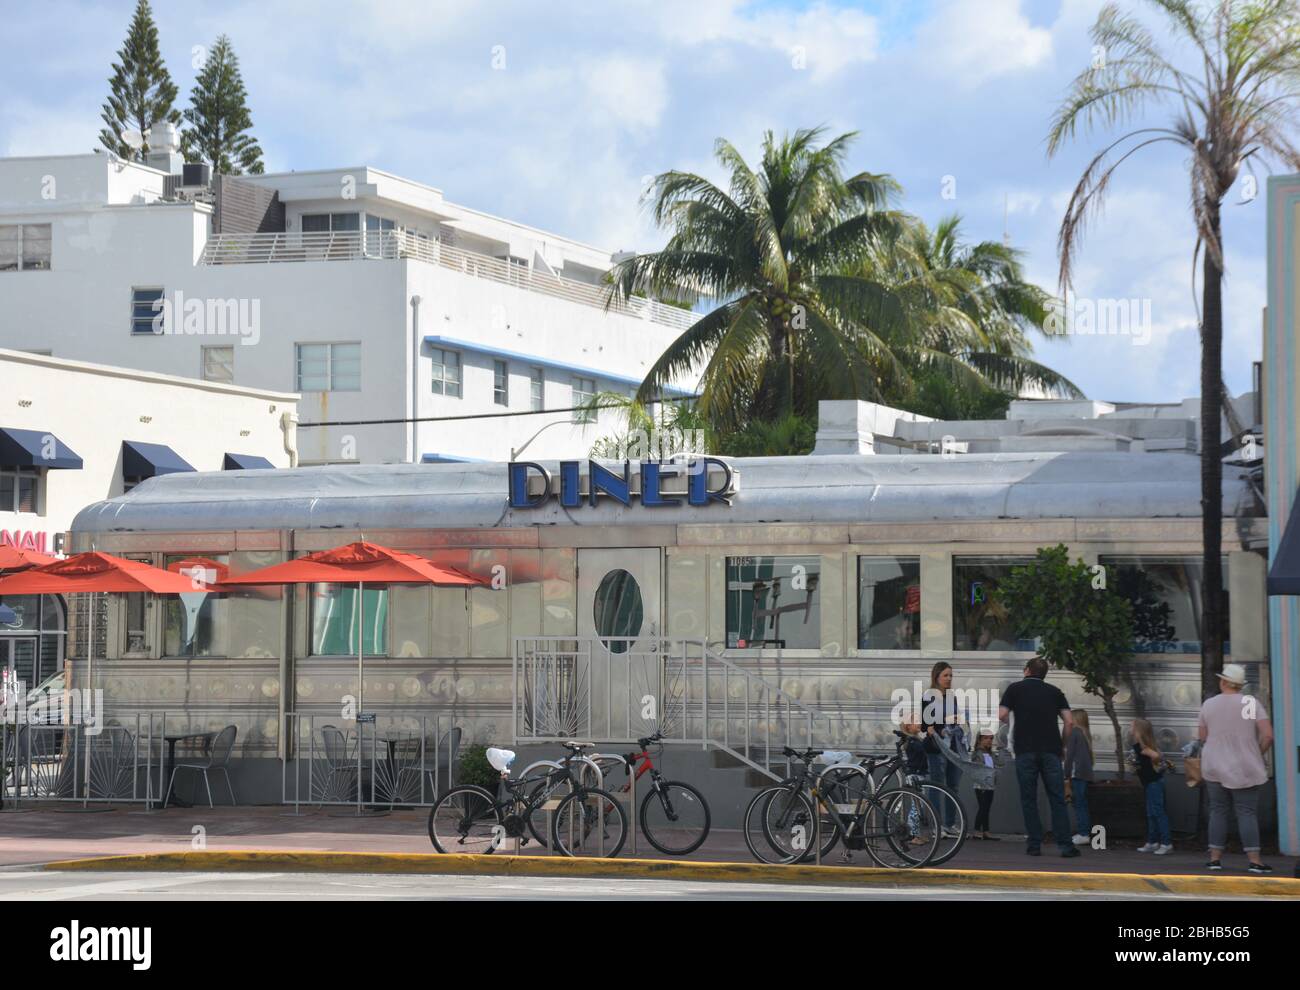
(1232, 101)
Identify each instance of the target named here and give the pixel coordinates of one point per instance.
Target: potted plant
(475, 769)
(1086, 628)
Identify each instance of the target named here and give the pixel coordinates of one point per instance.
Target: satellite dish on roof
(133, 139)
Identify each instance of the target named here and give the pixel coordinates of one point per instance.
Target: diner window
(773, 603)
(889, 603)
(334, 631)
(25, 247)
(500, 383)
(137, 623)
(584, 390)
(146, 306)
(196, 624)
(1166, 593)
(219, 365)
(20, 490)
(979, 620)
(328, 367)
(446, 373)
(537, 390)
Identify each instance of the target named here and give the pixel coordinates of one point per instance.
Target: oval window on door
(617, 610)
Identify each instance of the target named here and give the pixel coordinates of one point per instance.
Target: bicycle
(898, 829)
(545, 778)
(894, 776)
(674, 815)
(468, 819)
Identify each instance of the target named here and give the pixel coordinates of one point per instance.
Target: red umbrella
(360, 564)
(96, 572)
(16, 559)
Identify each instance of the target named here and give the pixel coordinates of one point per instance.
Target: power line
(495, 415)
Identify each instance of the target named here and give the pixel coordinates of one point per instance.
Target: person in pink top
(1236, 733)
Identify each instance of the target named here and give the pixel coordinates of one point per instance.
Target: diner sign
(697, 481)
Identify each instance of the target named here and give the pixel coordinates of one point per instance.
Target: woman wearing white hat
(1236, 734)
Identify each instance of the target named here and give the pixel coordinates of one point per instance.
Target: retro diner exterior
(835, 579)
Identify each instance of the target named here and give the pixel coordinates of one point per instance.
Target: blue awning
(149, 460)
(1284, 574)
(245, 462)
(35, 448)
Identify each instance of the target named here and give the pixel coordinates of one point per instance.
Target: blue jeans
(1082, 821)
(943, 771)
(1157, 820)
(1029, 767)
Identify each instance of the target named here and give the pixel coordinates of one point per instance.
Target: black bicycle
(788, 822)
(584, 821)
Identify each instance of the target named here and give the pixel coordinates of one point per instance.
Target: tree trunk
(1211, 463)
(1108, 705)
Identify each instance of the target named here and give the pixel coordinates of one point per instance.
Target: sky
(556, 114)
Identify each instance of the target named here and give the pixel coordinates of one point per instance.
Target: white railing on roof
(261, 249)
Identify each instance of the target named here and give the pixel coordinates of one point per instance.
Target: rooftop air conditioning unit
(196, 175)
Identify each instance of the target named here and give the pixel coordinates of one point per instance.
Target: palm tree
(968, 302)
(1230, 107)
(775, 247)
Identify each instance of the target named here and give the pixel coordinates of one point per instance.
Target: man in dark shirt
(1037, 742)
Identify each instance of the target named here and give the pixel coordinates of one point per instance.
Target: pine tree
(218, 117)
(141, 89)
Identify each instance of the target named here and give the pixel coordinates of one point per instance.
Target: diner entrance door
(620, 611)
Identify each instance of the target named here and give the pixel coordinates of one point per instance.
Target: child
(983, 765)
(917, 764)
(1078, 775)
(1150, 771)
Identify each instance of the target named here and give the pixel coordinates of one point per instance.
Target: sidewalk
(69, 832)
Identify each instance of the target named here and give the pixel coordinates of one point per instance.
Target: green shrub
(475, 769)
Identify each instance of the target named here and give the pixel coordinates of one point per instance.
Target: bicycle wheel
(466, 820)
(576, 828)
(788, 824)
(847, 788)
(949, 845)
(553, 788)
(675, 818)
(901, 829)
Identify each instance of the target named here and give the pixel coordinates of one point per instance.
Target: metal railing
(619, 689)
(277, 248)
(84, 763)
(396, 759)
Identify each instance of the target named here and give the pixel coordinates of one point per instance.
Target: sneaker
(1070, 853)
(1215, 865)
(990, 838)
(1150, 847)
(1082, 840)
(1164, 850)
(951, 833)
(1259, 868)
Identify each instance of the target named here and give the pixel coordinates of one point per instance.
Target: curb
(656, 869)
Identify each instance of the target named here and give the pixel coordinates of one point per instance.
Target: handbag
(1192, 769)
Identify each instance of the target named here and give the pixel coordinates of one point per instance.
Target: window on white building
(25, 247)
(584, 390)
(19, 490)
(500, 383)
(219, 365)
(446, 373)
(328, 367)
(144, 309)
(537, 390)
(323, 223)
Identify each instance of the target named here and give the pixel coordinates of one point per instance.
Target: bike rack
(630, 795)
(553, 803)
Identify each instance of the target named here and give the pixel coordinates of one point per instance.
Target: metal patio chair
(448, 751)
(217, 758)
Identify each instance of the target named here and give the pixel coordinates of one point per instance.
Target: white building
(368, 294)
(73, 433)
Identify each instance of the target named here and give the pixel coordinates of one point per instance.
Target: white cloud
(971, 43)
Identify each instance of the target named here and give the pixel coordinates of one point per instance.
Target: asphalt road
(18, 884)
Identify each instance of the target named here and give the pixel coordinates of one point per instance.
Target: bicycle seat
(577, 747)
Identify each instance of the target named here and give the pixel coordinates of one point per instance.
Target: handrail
(598, 688)
(354, 245)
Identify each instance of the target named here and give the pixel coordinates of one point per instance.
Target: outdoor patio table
(171, 741)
